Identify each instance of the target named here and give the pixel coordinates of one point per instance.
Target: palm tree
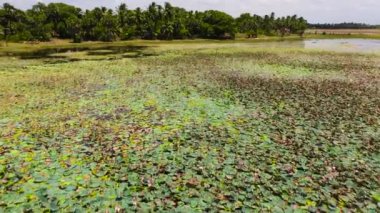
(122, 14)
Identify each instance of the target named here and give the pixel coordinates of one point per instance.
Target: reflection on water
(344, 45)
(127, 51)
(133, 51)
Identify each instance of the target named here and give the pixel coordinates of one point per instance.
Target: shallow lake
(338, 45)
(344, 45)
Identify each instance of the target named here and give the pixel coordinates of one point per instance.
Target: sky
(315, 11)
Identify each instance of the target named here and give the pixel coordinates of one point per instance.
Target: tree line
(344, 25)
(58, 20)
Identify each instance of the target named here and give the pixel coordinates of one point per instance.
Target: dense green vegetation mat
(190, 127)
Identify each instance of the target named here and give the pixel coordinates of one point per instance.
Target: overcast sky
(315, 11)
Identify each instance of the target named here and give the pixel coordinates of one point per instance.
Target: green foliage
(218, 24)
(38, 23)
(64, 19)
(254, 25)
(106, 29)
(43, 22)
(12, 22)
(196, 127)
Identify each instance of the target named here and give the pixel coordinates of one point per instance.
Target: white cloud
(313, 10)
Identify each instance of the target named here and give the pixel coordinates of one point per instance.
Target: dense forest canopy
(58, 20)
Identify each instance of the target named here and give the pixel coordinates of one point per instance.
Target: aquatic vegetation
(191, 129)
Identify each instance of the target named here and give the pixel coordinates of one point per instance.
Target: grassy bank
(189, 126)
(25, 46)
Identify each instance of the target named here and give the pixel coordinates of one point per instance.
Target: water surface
(344, 45)
(338, 45)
